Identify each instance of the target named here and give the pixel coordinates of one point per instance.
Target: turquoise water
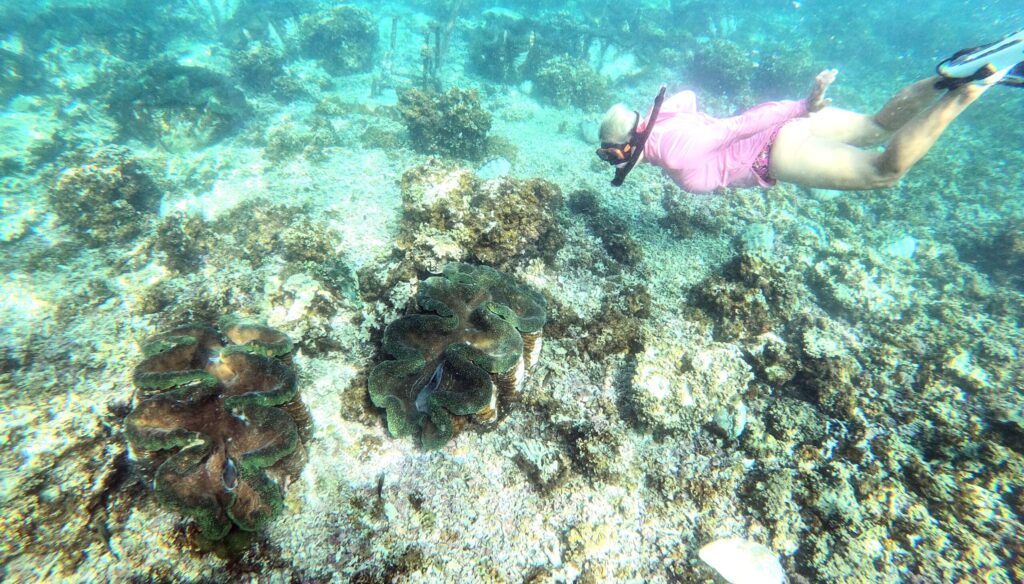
(824, 384)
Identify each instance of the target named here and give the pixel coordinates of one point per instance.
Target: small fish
(429, 388)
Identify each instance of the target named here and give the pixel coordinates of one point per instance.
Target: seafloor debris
(179, 107)
(471, 338)
(741, 561)
(105, 196)
(451, 124)
(227, 402)
(343, 39)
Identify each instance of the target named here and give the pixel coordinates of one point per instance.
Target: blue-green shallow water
(835, 376)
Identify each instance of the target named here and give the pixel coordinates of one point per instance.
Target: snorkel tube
(638, 142)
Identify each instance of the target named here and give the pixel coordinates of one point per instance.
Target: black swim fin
(977, 63)
(1015, 78)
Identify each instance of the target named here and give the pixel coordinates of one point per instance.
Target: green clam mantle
(470, 339)
(226, 401)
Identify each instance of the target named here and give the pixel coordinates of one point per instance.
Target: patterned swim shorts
(764, 158)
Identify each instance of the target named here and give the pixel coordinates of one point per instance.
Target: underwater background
(835, 376)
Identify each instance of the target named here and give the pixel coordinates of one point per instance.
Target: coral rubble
(467, 345)
(227, 403)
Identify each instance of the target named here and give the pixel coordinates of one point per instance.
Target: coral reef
(565, 81)
(879, 439)
(105, 196)
(451, 124)
(616, 327)
(179, 107)
(258, 249)
(343, 39)
(183, 241)
(721, 66)
(259, 65)
(450, 214)
(1002, 254)
(501, 46)
(257, 230)
(785, 68)
(467, 345)
(227, 403)
(387, 140)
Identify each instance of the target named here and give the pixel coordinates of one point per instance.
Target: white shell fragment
(743, 562)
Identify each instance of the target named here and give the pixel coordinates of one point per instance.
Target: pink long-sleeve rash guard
(702, 153)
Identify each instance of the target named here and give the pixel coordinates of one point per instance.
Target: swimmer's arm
(817, 101)
(766, 115)
(757, 119)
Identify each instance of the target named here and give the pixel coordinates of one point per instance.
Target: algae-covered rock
(565, 81)
(682, 383)
(469, 341)
(451, 124)
(226, 404)
(752, 296)
(179, 107)
(105, 196)
(687, 216)
(450, 214)
(343, 39)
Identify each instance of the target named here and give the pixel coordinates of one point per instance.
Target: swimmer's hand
(817, 100)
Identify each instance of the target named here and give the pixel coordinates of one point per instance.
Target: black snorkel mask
(625, 156)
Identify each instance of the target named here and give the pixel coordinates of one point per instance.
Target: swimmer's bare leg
(810, 160)
(865, 130)
(906, 104)
(916, 137)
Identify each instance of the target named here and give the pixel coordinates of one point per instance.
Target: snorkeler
(806, 142)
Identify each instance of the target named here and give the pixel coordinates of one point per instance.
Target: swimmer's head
(618, 125)
(622, 145)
